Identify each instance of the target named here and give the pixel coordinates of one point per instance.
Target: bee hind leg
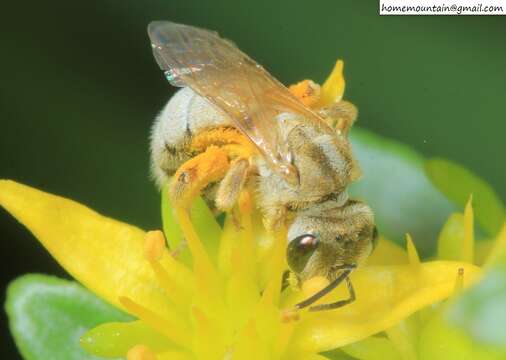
(196, 173)
(232, 184)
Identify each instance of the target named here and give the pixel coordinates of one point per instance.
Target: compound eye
(299, 251)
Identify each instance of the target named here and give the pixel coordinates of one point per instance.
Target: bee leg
(339, 303)
(344, 275)
(341, 115)
(274, 217)
(232, 184)
(196, 173)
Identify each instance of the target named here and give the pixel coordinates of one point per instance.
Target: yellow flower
(222, 296)
(230, 304)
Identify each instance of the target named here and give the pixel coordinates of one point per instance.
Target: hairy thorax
(324, 163)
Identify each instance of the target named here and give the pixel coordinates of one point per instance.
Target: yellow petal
(414, 259)
(304, 356)
(468, 246)
(175, 355)
(104, 254)
(483, 249)
(210, 339)
(456, 240)
(387, 253)
(498, 248)
(403, 340)
(373, 348)
(451, 238)
(333, 88)
(385, 296)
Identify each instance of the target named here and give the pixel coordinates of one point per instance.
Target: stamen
(154, 249)
(208, 338)
(249, 344)
(199, 254)
(290, 315)
(140, 352)
(269, 293)
(275, 267)
(178, 335)
(283, 339)
(174, 292)
(468, 246)
(209, 295)
(413, 257)
(459, 281)
(154, 245)
(203, 324)
(246, 245)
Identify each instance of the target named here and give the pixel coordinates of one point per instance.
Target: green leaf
(395, 186)
(204, 222)
(481, 310)
(439, 340)
(47, 316)
(457, 183)
(114, 339)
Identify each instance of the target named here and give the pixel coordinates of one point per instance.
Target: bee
(233, 125)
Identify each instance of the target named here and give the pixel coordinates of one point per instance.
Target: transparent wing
(217, 70)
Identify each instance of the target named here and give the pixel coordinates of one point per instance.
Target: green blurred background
(79, 90)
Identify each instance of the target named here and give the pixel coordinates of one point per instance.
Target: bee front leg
(196, 173)
(232, 184)
(341, 116)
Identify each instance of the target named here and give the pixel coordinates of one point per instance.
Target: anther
(140, 352)
(154, 245)
(289, 315)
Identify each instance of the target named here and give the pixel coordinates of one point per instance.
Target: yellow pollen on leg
(140, 352)
(306, 91)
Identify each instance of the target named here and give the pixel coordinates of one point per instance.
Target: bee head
(326, 237)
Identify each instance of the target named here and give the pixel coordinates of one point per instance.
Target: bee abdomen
(185, 115)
